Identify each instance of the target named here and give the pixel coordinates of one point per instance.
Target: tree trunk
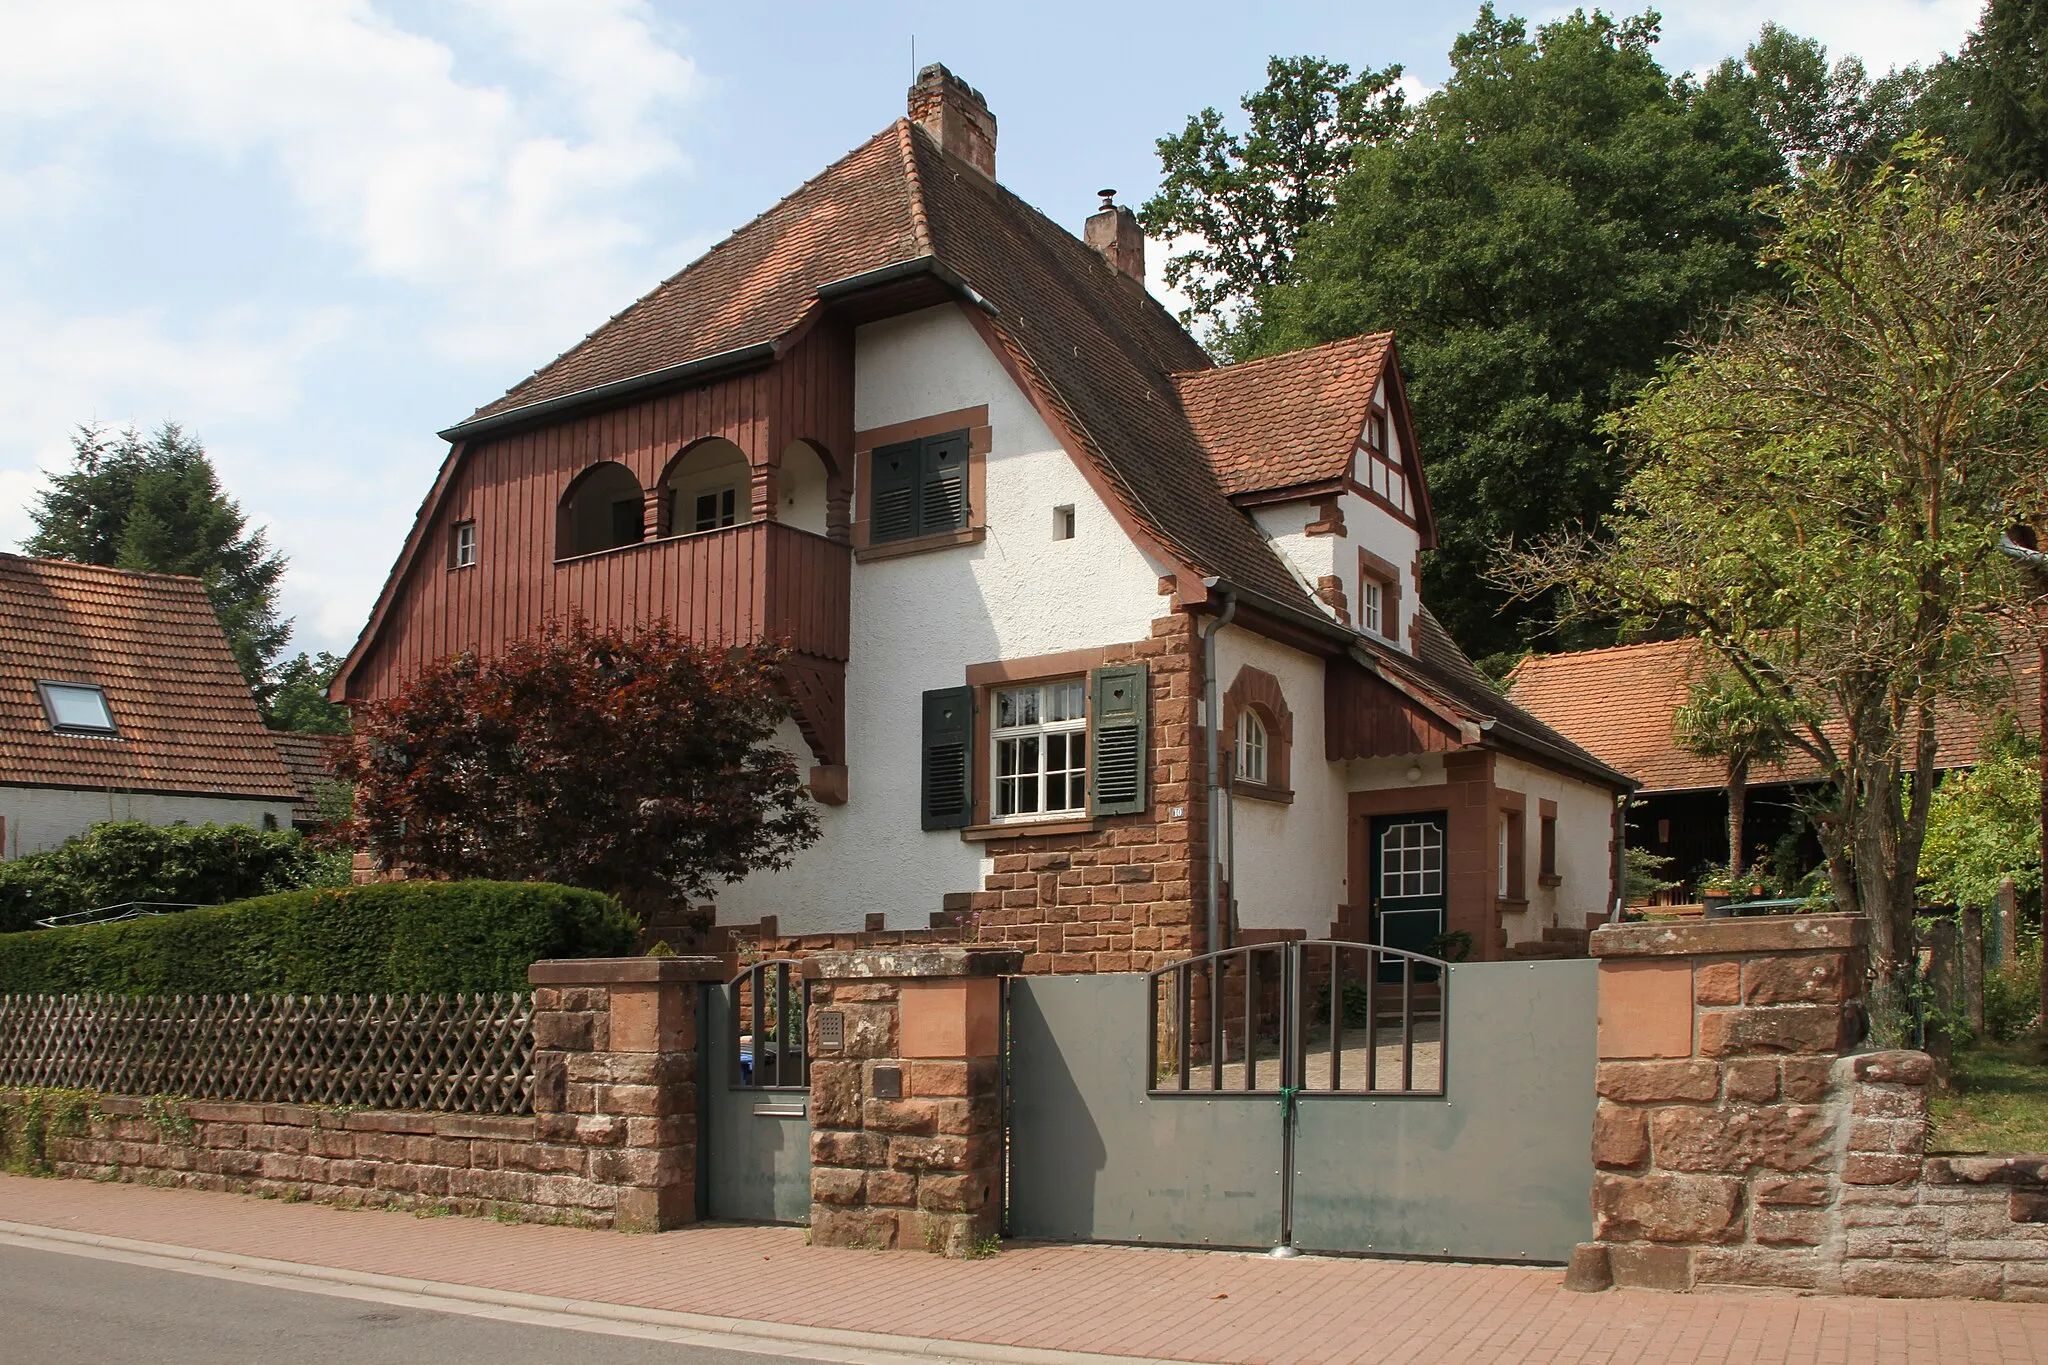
(1941, 973)
(2008, 923)
(1738, 801)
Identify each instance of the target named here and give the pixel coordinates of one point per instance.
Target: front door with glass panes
(1408, 885)
(1039, 733)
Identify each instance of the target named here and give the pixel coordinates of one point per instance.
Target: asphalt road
(61, 1309)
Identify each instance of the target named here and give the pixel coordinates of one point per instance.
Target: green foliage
(1643, 877)
(2001, 79)
(1985, 823)
(31, 1115)
(2012, 996)
(640, 765)
(1723, 717)
(298, 697)
(1453, 945)
(1822, 485)
(1559, 213)
(154, 503)
(114, 863)
(389, 938)
(1244, 200)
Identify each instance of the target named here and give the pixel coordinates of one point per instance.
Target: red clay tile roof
(1619, 703)
(1099, 352)
(185, 719)
(1285, 420)
(308, 758)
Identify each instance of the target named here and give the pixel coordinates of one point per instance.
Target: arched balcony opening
(708, 486)
(804, 489)
(602, 509)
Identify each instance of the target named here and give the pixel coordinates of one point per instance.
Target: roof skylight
(77, 708)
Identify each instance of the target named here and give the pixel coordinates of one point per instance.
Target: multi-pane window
(462, 545)
(1371, 604)
(1251, 747)
(1040, 734)
(1412, 860)
(76, 708)
(714, 508)
(1379, 468)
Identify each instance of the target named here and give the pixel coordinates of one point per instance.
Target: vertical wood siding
(1365, 718)
(759, 581)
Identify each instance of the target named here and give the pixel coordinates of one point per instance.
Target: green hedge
(387, 938)
(116, 862)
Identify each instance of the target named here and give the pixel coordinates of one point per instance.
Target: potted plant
(1718, 890)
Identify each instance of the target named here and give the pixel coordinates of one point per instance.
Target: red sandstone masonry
(612, 1141)
(1736, 1145)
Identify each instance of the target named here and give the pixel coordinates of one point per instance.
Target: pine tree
(154, 503)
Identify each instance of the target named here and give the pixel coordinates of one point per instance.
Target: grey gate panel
(1094, 1158)
(758, 1142)
(1500, 1168)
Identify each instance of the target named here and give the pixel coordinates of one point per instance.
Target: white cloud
(427, 178)
(1884, 33)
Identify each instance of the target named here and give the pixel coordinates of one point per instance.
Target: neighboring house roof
(1286, 420)
(151, 642)
(1104, 362)
(1620, 704)
(309, 759)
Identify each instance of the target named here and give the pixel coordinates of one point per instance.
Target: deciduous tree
(636, 764)
(1822, 486)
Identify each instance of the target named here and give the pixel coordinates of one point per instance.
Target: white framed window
(714, 508)
(1251, 747)
(1040, 736)
(462, 545)
(1371, 605)
(76, 708)
(1412, 860)
(1063, 522)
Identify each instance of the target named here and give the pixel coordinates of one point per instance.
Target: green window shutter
(948, 800)
(943, 476)
(1118, 715)
(892, 498)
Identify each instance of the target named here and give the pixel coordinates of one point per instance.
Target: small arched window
(1251, 747)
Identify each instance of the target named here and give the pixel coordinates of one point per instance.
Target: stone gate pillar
(906, 1098)
(615, 1079)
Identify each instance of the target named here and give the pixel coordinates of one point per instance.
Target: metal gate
(757, 1097)
(1326, 1095)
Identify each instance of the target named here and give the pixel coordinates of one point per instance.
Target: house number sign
(831, 1030)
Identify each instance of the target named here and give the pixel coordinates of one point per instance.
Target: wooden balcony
(762, 581)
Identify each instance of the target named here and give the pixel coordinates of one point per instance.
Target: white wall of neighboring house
(44, 817)
(1291, 866)
(1585, 843)
(919, 620)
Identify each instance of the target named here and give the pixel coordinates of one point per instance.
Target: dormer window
(76, 708)
(1379, 469)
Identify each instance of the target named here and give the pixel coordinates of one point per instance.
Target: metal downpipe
(1212, 720)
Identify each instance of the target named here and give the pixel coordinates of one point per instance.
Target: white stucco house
(119, 700)
(1093, 644)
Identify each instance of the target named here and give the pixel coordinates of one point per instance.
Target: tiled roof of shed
(1289, 419)
(309, 758)
(152, 643)
(1619, 703)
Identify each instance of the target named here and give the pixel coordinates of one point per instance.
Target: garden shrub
(388, 938)
(121, 861)
(2012, 996)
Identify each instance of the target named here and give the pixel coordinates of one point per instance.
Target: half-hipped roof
(1116, 378)
(184, 718)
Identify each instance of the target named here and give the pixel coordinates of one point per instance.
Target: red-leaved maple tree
(637, 764)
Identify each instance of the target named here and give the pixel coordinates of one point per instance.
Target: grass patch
(1997, 1102)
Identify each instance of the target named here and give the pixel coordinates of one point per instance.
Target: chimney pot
(956, 116)
(1113, 230)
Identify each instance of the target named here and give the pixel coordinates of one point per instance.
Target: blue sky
(316, 232)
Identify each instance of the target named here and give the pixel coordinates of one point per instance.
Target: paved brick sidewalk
(1198, 1306)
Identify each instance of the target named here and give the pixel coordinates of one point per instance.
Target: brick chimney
(1113, 230)
(956, 116)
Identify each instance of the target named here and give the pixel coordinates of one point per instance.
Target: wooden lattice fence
(465, 1054)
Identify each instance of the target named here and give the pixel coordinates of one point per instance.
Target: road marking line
(542, 1310)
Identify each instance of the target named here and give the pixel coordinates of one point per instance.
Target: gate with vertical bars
(1324, 1095)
